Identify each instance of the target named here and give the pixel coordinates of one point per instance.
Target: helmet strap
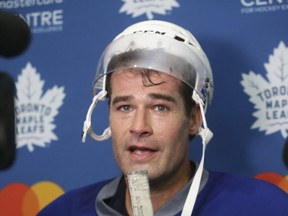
(206, 136)
(87, 128)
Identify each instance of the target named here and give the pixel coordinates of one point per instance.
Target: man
(158, 82)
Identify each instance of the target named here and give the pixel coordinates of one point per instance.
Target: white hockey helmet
(161, 46)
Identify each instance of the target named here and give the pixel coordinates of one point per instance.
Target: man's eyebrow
(156, 96)
(121, 99)
(162, 97)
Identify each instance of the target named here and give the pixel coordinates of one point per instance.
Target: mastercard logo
(275, 178)
(18, 199)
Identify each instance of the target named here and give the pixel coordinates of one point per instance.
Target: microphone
(7, 121)
(15, 35)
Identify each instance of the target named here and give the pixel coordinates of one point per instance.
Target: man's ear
(195, 120)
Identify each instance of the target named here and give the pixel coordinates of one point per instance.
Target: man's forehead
(151, 75)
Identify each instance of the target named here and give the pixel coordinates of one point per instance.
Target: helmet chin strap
(87, 128)
(206, 136)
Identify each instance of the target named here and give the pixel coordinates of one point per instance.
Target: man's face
(150, 128)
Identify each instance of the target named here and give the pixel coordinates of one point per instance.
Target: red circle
(11, 199)
(271, 177)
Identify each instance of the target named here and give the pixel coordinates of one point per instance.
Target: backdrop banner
(245, 40)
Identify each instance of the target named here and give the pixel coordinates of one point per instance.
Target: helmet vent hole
(179, 38)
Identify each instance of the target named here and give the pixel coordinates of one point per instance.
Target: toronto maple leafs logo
(35, 111)
(270, 97)
(148, 7)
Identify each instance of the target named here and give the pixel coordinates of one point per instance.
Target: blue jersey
(222, 195)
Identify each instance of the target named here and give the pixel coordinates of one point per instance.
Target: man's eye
(161, 108)
(125, 108)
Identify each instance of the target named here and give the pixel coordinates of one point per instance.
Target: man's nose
(141, 123)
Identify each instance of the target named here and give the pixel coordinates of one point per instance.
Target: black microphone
(7, 121)
(15, 35)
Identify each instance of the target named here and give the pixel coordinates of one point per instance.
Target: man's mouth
(141, 153)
